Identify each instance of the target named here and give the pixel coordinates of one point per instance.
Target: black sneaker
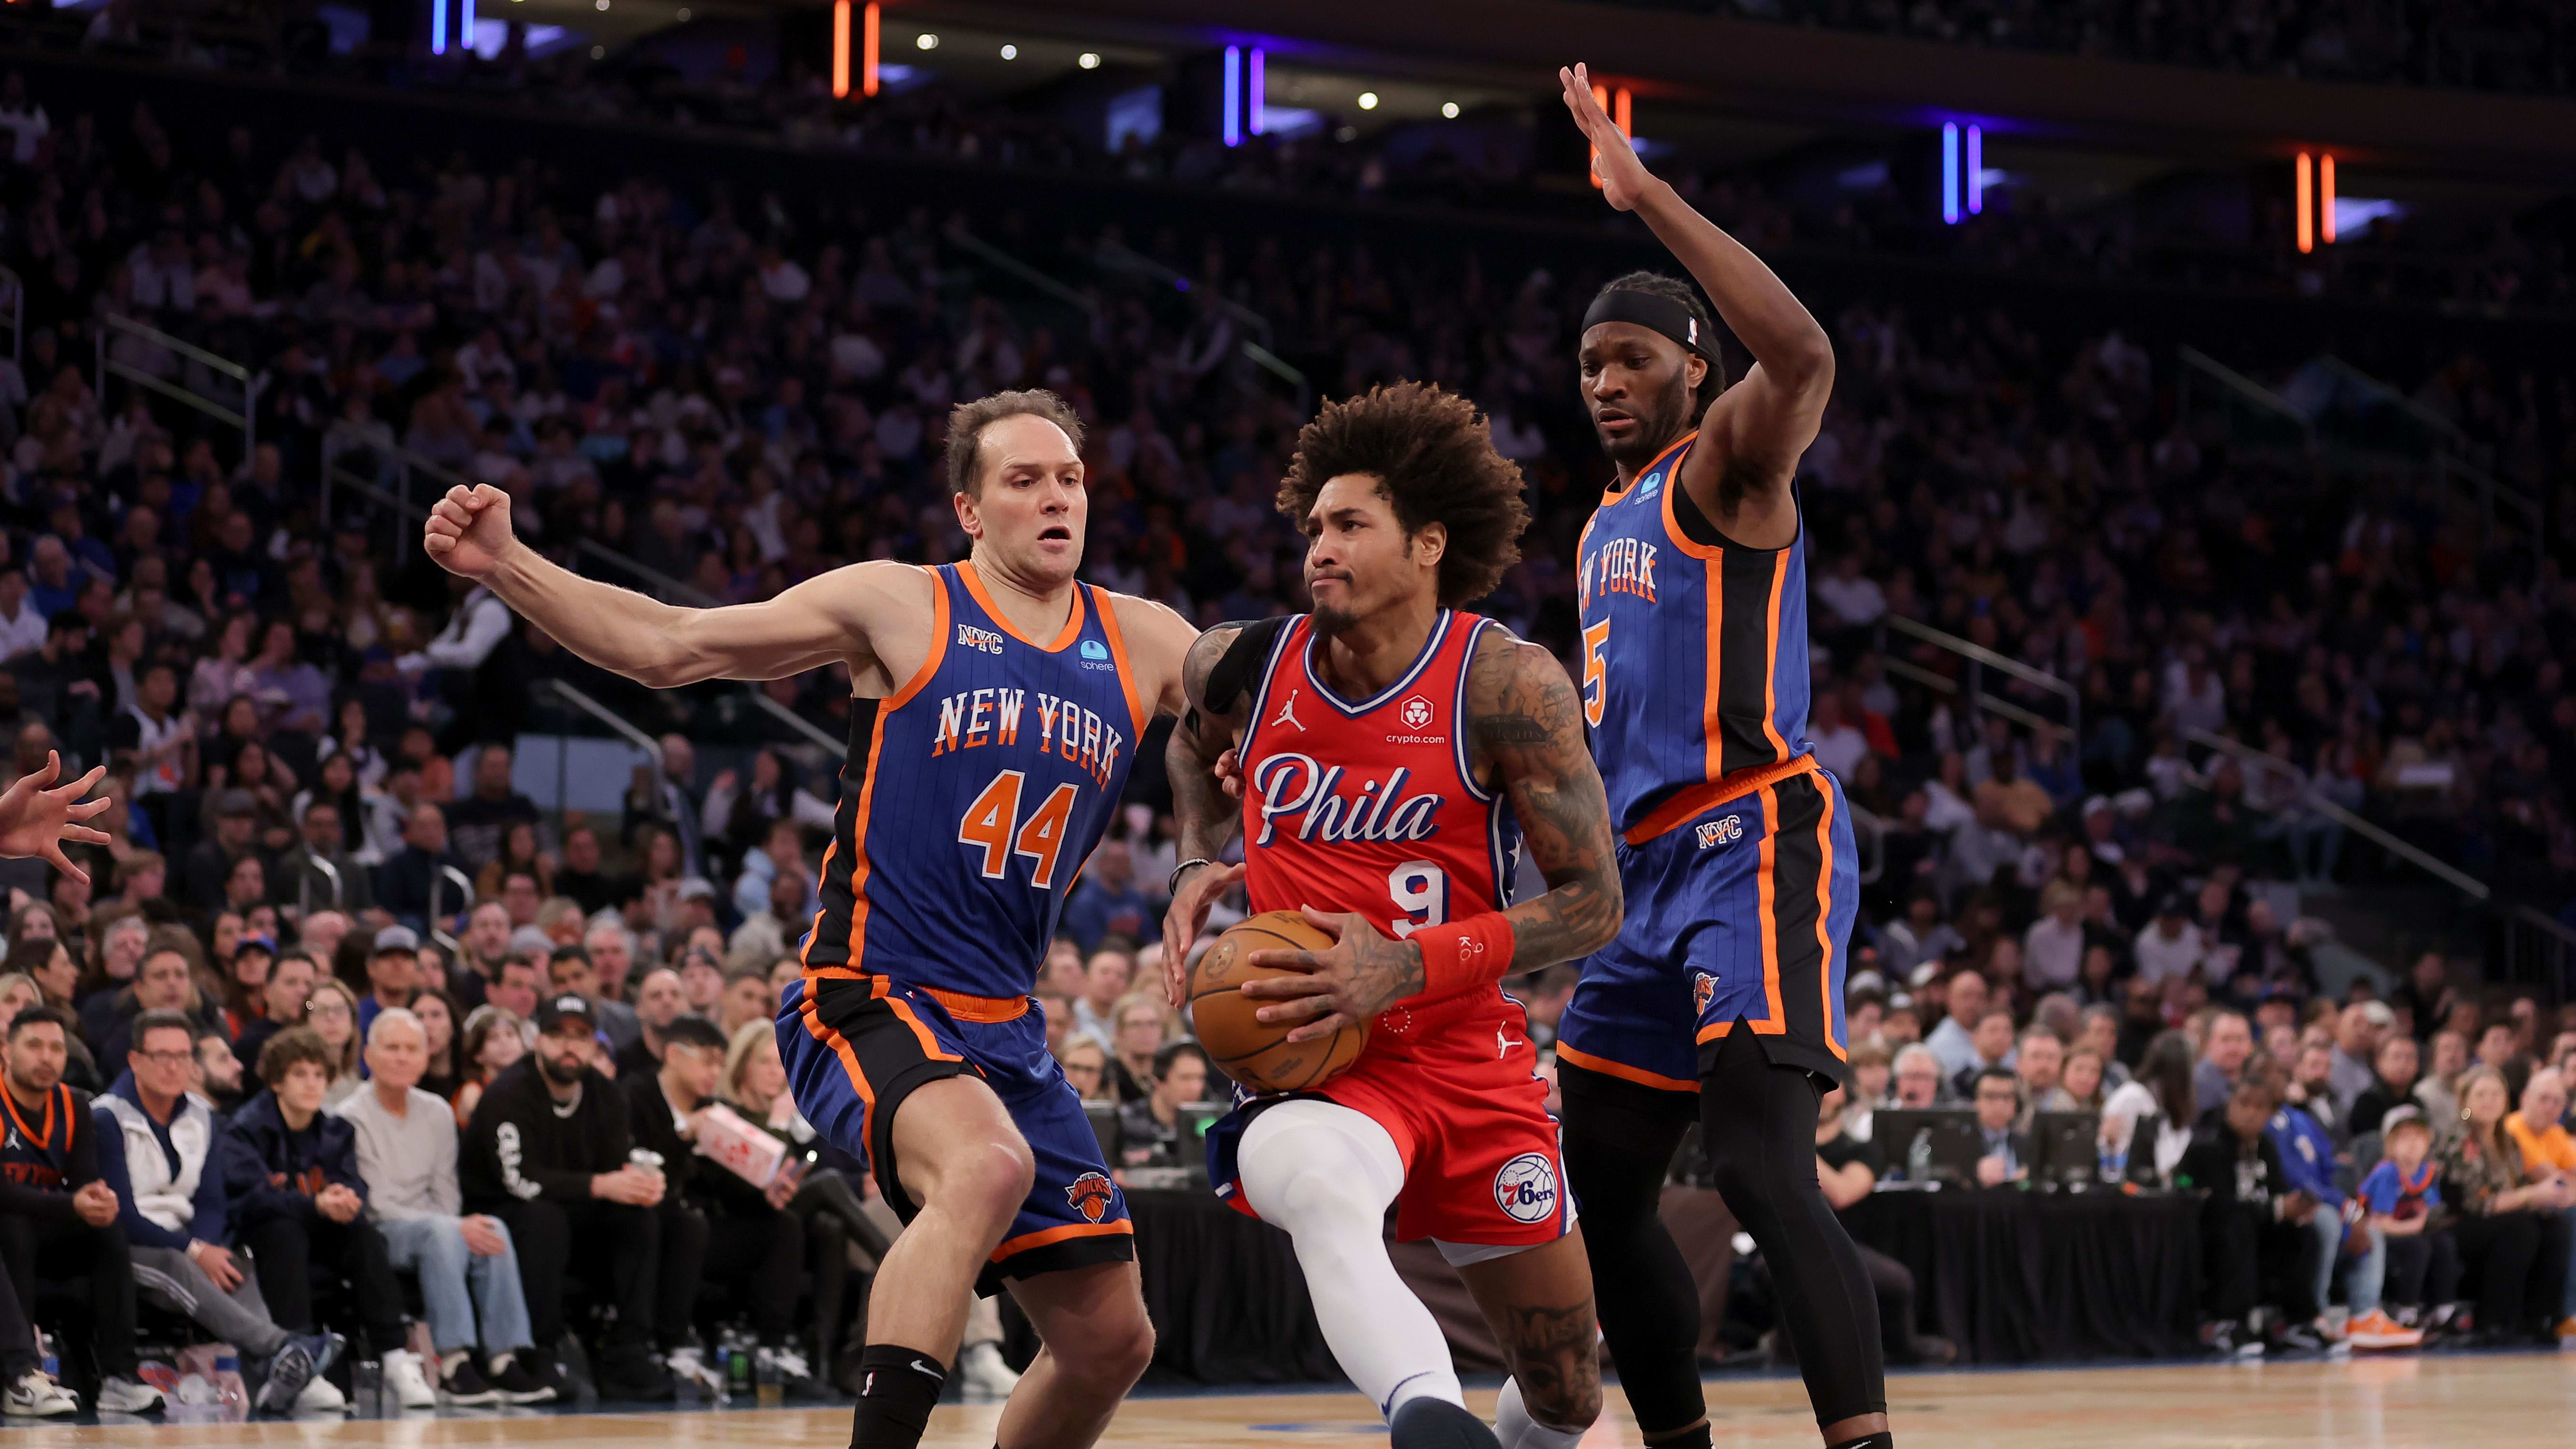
(460, 1382)
(522, 1378)
(634, 1377)
(283, 1378)
(2300, 1338)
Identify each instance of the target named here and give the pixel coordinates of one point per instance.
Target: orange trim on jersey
(988, 1010)
(912, 1018)
(1011, 1247)
(44, 1139)
(1673, 522)
(1771, 666)
(1688, 804)
(974, 582)
(1622, 1070)
(814, 932)
(806, 1012)
(1118, 656)
(1712, 723)
(929, 665)
(1777, 1021)
(1824, 919)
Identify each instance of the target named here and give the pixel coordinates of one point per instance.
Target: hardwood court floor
(2488, 1402)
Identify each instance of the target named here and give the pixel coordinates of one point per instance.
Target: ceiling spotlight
(926, 41)
(599, 52)
(1368, 100)
(1449, 109)
(1088, 60)
(1010, 52)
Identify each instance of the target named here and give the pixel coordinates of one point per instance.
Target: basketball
(1244, 1047)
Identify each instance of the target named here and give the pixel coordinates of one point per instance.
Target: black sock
(1694, 1437)
(1880, 1440)
(898, 1386)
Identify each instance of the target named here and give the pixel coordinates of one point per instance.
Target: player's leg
(1539, 1303)
(1628, 1073)
(1326, 1174)
(1098, 1343)
(965, 1167)
(882, 1077)
(1780, 955)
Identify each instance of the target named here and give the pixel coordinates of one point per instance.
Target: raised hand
(469, 530)
(1624, 178)
(36, 816)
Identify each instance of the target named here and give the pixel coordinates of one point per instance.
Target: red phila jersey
(1372, 805)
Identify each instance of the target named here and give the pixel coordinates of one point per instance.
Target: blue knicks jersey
(1694, 654)
(972, 796)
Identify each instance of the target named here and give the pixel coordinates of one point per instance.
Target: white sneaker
(37, 1396)
(125, 1396)
(688, 1363)
(406, 1381)
(986, 1375)
(321, 1396)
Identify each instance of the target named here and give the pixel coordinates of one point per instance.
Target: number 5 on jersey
(1596, 673)
(988, 822)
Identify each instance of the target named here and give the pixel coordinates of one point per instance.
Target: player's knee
(1569, 1402)
(1114, 1349)
(987, 1180)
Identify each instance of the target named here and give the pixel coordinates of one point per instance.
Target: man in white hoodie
(158, 1148)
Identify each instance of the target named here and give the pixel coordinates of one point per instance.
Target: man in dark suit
(2006, 1154)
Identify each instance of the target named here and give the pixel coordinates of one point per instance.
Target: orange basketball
(1244, 1047)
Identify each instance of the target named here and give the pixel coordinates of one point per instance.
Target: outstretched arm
(662, 645)
(1739, 470)
(1527, 724)
(1204, 815)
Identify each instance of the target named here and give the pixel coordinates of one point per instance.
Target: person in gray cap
(393, 971)
(201, 880)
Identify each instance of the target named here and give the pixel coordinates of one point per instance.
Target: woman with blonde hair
(2511, 1234)
(1086, 1066)
(1138, 1026)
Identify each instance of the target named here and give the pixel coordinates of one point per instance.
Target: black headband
(1655, 314)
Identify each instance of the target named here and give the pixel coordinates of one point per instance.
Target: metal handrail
(304, 884)
(1260, 353)
(798, 722)
(2245, 387)
(616, 722)
(2244, 753)
(247, 419)
(1981, 658)
(2424, 417)
(465, 884)
(1062, 292)
(687, 592)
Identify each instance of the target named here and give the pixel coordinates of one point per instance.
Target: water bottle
(45, 1352)
(1918, 1158)
(2115, 1163)
(737, 1363)
(367, 1388)
(764, 1376)
(230, 1392)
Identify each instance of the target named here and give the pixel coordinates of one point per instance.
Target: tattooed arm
(1201, 810)
(1527, 724)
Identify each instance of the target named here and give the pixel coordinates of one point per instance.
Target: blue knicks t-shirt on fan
(973, 794)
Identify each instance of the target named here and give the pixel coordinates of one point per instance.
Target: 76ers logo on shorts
(1525, 1188)
(1721, 832)
(1703, 991)
(1090, 1192)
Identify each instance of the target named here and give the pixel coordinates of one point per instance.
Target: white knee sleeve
(1326, 1174)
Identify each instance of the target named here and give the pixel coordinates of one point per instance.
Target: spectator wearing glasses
(1920, 1080)
(57, 1217)
(2511, 1232)
(2004, 1153)
(165, 982)
(549, 1153)
(406, 1146)
(162, 1155)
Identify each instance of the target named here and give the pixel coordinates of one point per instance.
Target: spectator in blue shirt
(2401, 1195)
(2308, 1164)
(1108, 902)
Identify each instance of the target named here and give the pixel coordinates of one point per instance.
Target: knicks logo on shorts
(1090, 1192)
(1703, 991)
(1721, 832)
(1525, 1188)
